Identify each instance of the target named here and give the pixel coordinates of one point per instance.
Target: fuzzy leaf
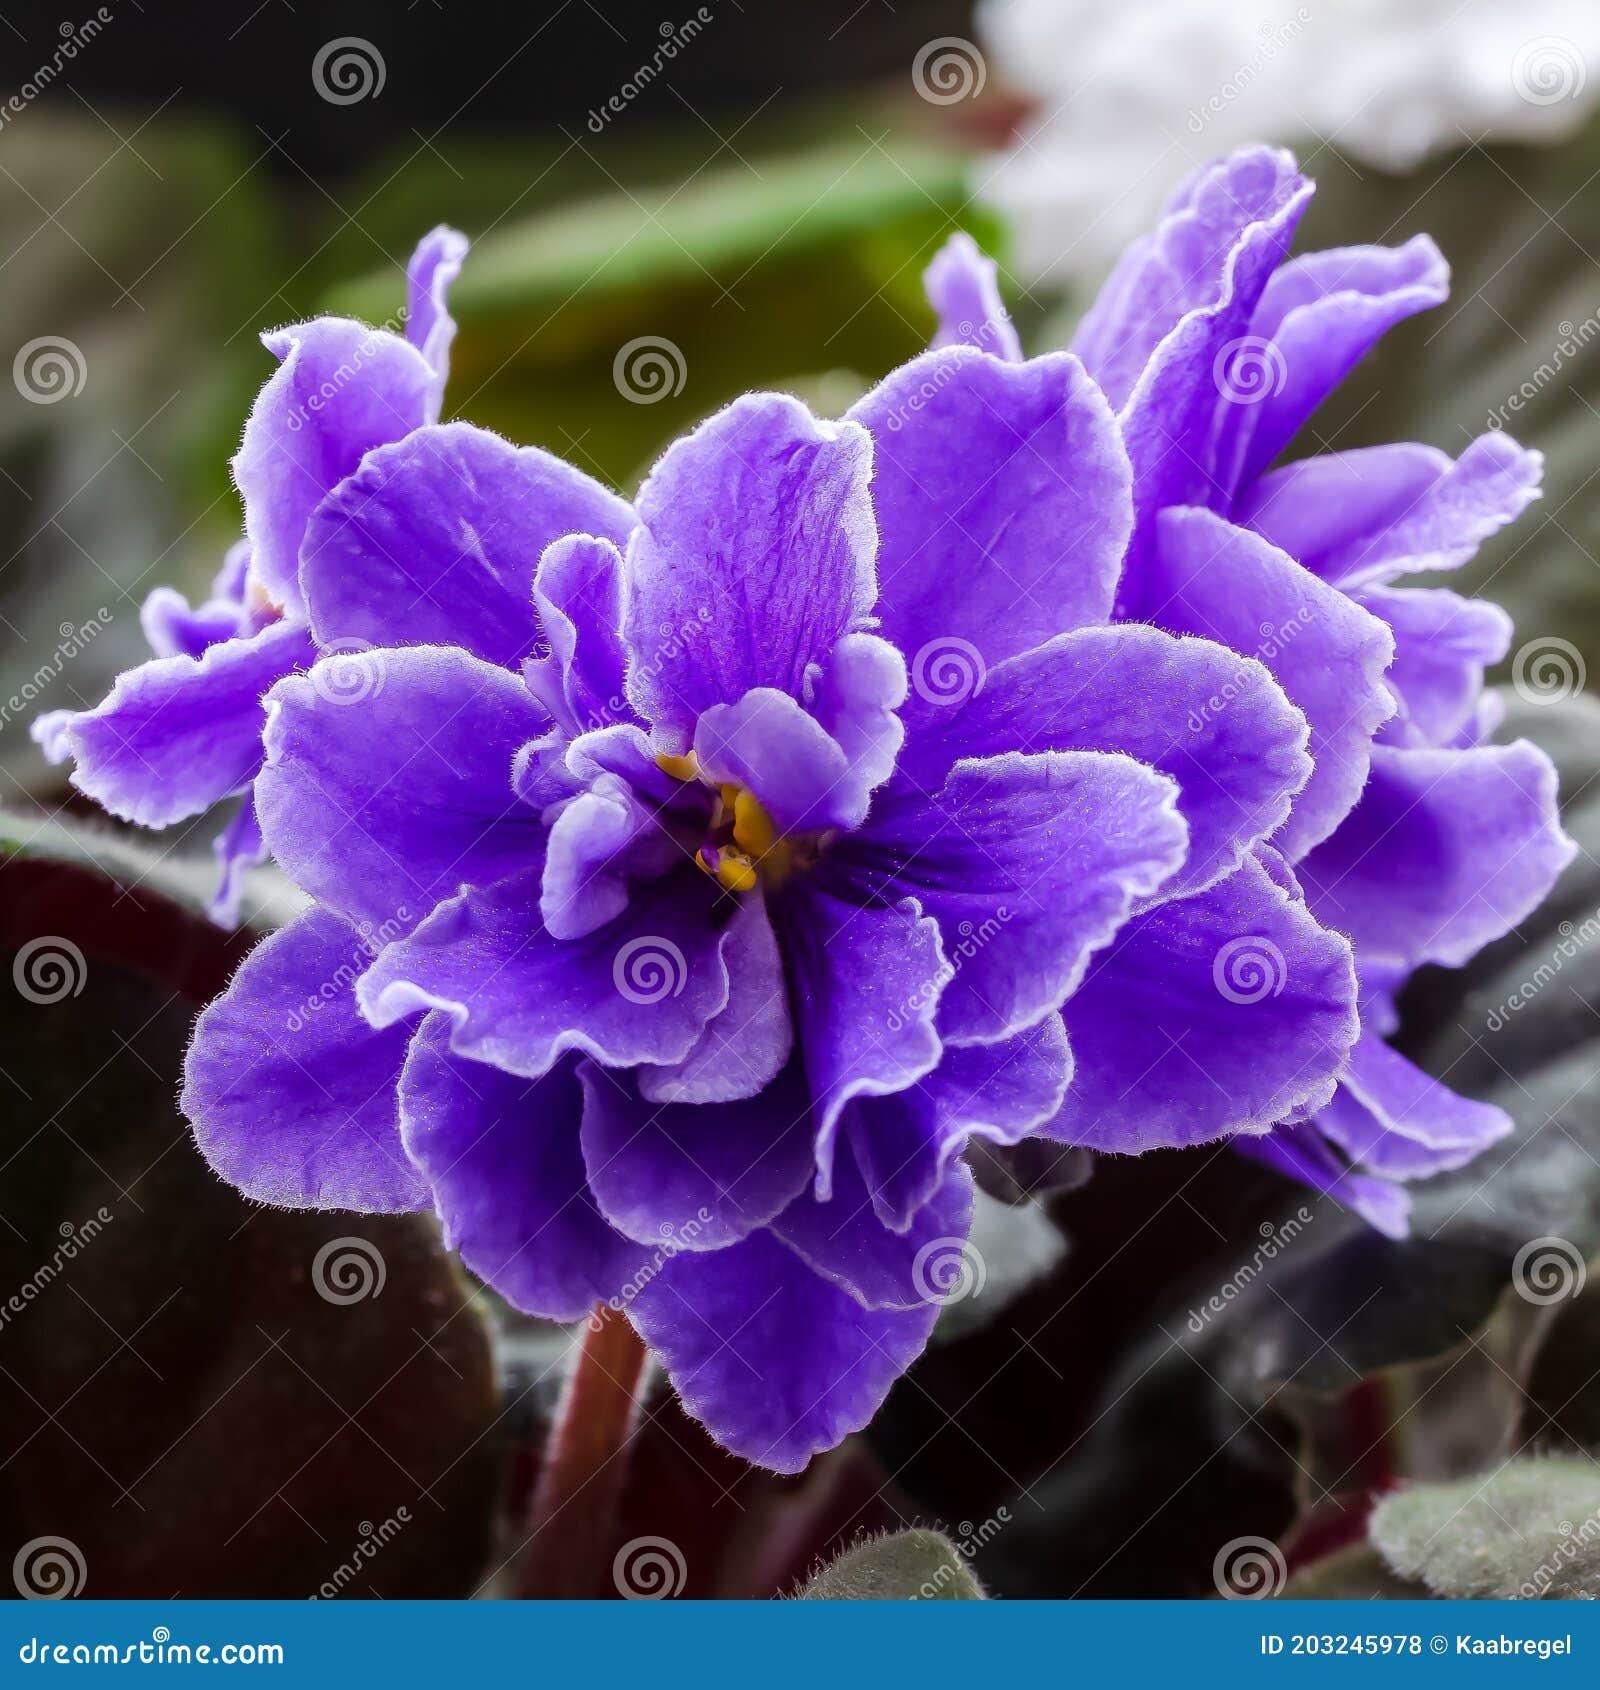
(910, 1566)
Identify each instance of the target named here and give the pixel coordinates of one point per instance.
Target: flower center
(742, 845)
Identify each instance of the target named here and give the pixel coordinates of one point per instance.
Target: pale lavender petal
(579, 594)
(238, 849)
(855, 698)
(1302, 1154)
(1442, 643)
(963, 288)
(770, 745)
(430, 328)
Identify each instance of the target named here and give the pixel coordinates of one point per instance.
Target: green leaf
(1529, 1530)
(909, 1566)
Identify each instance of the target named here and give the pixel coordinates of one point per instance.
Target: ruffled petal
(866, 985)
(1303, 1154)
(1206, 576)
(963, 288)
(770, 745)
(1216, 1014)
(290, 1093)
(175, 629)
(1318, 318)
(435, 538)
(1214, 721)
(855, 698)
(388, 780)
(1042, 856)
(340, 390)
(753, 558)
(745, 1047)
(238, 849)
(1446, 851)
(695, 1175)
(579, 594)
(639, 989)
(845, 1242)
(1394, 1120)
(501, 1155)
(430, 328)
(1002, 495)
(177, 734)
(775, 1362)
(600, 840)
(1367, 516)
(1442, 644)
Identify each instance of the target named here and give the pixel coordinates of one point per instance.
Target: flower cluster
(697, 879)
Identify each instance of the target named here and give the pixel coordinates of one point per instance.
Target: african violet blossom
(183, 731)
(1414, 837)
(672, 948)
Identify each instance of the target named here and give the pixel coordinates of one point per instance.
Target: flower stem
(585, 1462)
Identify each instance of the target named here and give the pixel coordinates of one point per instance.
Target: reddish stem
(585, 1462)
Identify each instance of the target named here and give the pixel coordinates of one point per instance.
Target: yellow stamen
(752, 826)
(736, 873)
(686, 767)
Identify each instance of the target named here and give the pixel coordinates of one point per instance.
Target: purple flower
(183, 731)
(1412, 836)
(693, 879)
